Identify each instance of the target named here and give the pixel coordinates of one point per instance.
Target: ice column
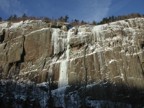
(63, 78)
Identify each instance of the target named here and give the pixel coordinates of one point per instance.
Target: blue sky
(87, 10)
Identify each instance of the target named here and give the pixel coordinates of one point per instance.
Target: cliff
(106, 59)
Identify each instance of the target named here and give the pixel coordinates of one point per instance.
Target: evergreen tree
(12, 18)
(0, 18)
(66, 18)
(24, 17)
(94, 23)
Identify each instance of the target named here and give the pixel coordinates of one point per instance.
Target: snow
(59, 97)
(27, 72)
(35, 31)
(112, 60)
(3, 25)
(16, 25)
(104, 103)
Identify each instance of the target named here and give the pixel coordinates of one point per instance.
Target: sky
(87, 10)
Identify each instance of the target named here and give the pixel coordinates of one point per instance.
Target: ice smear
(63, 78)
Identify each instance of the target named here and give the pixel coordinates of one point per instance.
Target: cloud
(94, 9)
(10, 7)
(118, 6)
(87, 10)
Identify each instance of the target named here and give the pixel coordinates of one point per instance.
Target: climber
(2, 36)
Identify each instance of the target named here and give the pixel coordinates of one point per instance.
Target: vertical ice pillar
(63, 78)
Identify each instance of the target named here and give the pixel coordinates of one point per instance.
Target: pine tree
(0, 19)
(94, 23)
(66, 18)
(24, 17)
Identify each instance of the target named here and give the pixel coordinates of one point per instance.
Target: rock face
(38, 44)
(106, 59)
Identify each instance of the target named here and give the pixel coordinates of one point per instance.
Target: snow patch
(16, 25)
(112, 60)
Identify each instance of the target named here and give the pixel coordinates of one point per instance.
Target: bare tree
(50, 100)
(85, 75)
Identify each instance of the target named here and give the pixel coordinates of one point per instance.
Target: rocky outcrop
(107, 59)
(38, 44)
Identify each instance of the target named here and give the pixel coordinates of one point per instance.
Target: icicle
(96, 30)
(55, 41)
